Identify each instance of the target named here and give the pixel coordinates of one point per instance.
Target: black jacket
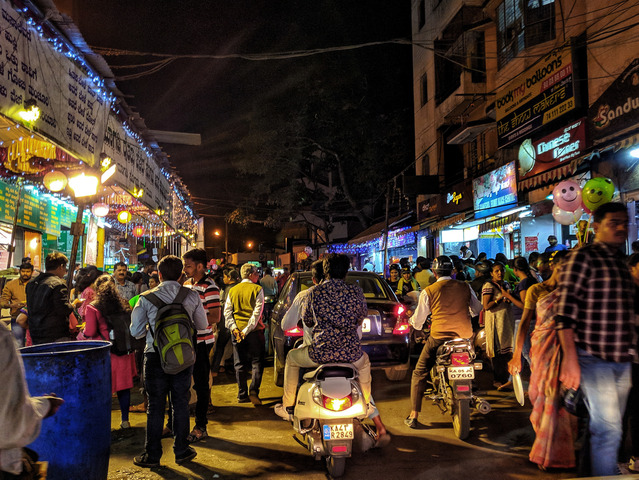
(48, 308)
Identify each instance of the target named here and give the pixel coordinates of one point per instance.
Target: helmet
(484, 267)
(443, 265)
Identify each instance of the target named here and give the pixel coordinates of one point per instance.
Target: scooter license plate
(338, 432)
(461, 373)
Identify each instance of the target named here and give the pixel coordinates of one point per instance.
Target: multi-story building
(549, 85)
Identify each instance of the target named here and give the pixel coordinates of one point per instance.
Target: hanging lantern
(124, 216)
(55, 181)
(100, 209)
(139, 231)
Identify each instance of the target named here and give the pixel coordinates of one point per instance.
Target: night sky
(217, 98)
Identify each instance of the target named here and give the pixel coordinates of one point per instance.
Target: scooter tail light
(294, 332)
(459, 359)
(339, 449)
(338, 404)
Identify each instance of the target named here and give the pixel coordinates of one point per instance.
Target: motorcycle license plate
(338, 432)
(366, 325)
(461, 373)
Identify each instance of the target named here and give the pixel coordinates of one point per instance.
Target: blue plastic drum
(76, 440)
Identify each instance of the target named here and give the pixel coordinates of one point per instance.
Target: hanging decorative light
(55, 181)
(100, 209)
(124, 216)
(139, 231)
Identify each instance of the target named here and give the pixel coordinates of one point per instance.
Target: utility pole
(386, 230)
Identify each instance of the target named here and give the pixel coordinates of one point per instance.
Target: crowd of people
(566, 316)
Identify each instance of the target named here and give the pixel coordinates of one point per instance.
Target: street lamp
(249, 244)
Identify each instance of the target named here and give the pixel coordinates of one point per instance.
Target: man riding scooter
(333, 336)
(450, 304)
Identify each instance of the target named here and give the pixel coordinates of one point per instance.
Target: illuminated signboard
(456, 199)
(496, 191)
(552, 150)
(538, 96)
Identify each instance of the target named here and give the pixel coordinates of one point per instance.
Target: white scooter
(329, 404)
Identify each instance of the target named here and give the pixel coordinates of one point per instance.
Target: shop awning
(498, 222)
(376, 230)
(552, 175)
(460, 217)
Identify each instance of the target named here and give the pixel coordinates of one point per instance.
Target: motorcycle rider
(450, 304)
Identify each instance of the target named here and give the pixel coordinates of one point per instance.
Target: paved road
(250, 442)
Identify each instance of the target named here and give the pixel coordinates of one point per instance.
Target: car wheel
(396, 374)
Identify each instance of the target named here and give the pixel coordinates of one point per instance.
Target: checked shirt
(596, 300)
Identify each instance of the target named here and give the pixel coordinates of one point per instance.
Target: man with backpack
(172, 313)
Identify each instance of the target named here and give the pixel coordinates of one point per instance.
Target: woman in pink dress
(84, 288)
(108, 302)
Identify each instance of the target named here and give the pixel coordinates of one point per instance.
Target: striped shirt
(596, 300)
(210, 297)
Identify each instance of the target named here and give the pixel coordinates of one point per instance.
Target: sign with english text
(456, 199)
(496, 191)
(73, 111)
(535, 157)
(536, 97)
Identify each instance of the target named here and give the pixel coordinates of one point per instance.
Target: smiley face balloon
(596, 192)
(567, 195)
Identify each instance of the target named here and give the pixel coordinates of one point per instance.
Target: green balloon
(596, 192)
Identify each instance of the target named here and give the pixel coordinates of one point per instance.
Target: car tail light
(402, 327)
(294, 332)
(401, 309)
(337, 404)
(458, 359)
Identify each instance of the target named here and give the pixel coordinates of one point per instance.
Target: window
(522, 24)
(421, 15)
(424, 85)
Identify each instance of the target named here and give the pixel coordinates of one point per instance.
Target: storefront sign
(538, 96)
(427, 209)
(536, 157)
(618, 107)
(496, 191)
(73, 110)
(531, 244)
(457, 199)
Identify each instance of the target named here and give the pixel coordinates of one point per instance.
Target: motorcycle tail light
(294, 332)
(463, 388)
(337, 404)
(401, 328)
(459, 359)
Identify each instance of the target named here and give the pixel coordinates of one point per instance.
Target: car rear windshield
(371, 286)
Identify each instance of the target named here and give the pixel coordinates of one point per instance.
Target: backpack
(119, 333)
(174, 333)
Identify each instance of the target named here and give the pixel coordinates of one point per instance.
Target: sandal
(197, 434)
(140, 408)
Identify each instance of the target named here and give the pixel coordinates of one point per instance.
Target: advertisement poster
(561, 146)
(495, 192)
(531, 244)
(538, 96)
(618, 107)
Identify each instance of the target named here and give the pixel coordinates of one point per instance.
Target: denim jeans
(249, 351)
(18, 332)
(605, 386)
(158, 385)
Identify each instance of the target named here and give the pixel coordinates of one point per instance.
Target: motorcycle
(453, 376)
(329, 406)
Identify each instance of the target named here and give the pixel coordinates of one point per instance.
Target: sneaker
(125, 424)
(281, 411)
(243, 400)
(187, 456)
(633, 465)
(144, 461)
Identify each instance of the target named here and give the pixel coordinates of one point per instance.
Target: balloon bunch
(571, 201)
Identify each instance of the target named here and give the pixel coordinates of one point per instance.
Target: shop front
(455, 204)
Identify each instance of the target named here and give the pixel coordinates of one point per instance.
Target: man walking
(243, 316)
(48, 302)
(158, 383)
(14, 296)
(595, 321)
(195, 269)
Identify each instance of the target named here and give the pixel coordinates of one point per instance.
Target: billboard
(496, 191)
(538, 96)
(561, 146)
